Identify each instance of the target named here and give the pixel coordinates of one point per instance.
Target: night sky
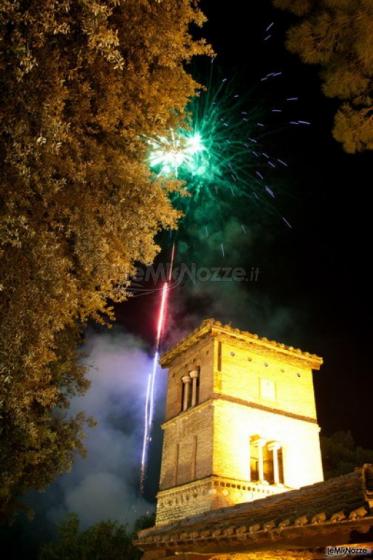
(314, 286)
(317, 274)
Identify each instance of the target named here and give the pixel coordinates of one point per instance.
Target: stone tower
(240, 421)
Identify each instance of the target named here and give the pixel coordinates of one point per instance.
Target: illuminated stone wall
(248, 391)
(234, 424)
(243, 369)
(187, 447)
(207, 494)
(199, 355)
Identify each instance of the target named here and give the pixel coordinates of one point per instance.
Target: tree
(106, 540)
(83, 85)
(341, 455)
(337, 35)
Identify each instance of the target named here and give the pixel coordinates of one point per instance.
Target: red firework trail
(162, 312)
(149, 401)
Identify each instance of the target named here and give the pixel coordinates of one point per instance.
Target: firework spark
(150, 390)
(213, 154)
(180, 150)
(224, 158)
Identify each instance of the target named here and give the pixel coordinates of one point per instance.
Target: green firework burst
(215, 153)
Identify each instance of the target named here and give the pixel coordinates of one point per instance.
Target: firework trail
(221, 157)
(149, 401)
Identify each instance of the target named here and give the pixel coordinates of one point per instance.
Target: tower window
(254, 462)
(280, 466)
(194, 457)
(176, 466)
(182, 395)
(219, 356)
(195, 375)
(186, 396)
(268, 474)
(197, 390)
(190, 389)
(266, 461)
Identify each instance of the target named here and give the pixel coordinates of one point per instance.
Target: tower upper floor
(218, 361)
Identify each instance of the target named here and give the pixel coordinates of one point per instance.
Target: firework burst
(220, 152)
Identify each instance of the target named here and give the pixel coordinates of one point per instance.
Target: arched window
(186, 396)
(266, 461)
(195, 375)
(182, 395)
(268, 474)
(254, 462)
(280, 459)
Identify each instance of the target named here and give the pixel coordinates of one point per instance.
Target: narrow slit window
(194, 457)
(280, 457)
(182, 395)
(198, 385)
(268, 471)
(254, 462)
(219, 356)
(176, 472)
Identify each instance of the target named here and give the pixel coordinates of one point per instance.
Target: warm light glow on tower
(240, 421)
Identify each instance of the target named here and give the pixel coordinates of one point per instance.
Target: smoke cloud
(104, 485)
(244, 302)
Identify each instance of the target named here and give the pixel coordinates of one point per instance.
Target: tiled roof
(325, 513)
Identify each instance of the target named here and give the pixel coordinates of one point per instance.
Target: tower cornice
(255, 343)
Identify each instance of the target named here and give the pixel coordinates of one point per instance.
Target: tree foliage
(83, 85)
(106, 540)
(337, 35)
(341, 455)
